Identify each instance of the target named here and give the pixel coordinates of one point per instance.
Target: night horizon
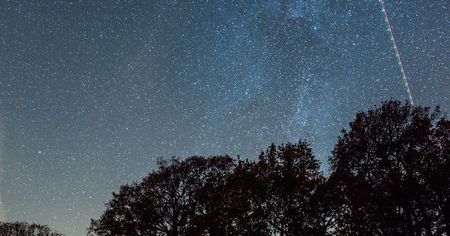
(92, 93)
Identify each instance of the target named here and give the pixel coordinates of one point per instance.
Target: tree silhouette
(391, 173)
(166, 202)
(216, 196)
(26, 229)
(216, 212)
(288, 177)
(389, 176)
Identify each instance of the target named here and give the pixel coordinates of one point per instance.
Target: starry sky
(93, 92)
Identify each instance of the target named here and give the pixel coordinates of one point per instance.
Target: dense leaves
(218, 196)
(25, 229)
(170, 201)
(390, 175)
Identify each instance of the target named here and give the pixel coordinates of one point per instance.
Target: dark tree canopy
(217, 196)
(273, 195)
(25, 229)
(390, 175)
(391, 172)
(166, 202)
(288, 177)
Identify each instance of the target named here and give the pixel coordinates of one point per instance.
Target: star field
(93, 92)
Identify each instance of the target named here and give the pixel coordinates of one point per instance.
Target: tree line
(26, 229)
(389, 175)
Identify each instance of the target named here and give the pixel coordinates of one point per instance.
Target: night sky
(93, 92)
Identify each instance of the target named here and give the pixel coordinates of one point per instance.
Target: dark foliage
(25, 229)
(170, 201)
(390, 175)
(288, 177)
(217, 196)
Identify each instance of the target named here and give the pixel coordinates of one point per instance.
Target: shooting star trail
(397, 54)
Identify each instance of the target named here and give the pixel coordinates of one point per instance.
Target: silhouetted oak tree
(391, 173)
(288, 177)
(273, 195)
(26, 229)
(167, 202)
(217, 196)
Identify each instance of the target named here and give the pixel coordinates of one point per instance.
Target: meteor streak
(397, 54)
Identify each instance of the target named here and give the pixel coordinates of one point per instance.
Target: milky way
(92, 93)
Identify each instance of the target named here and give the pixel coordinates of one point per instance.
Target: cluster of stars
(92, 93)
